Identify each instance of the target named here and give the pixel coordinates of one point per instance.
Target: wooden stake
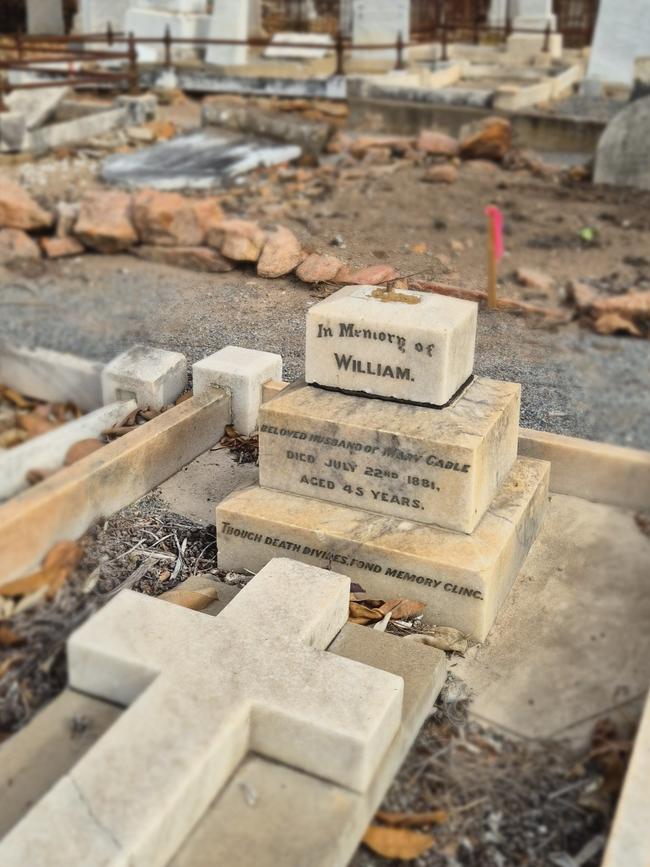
(491, 267)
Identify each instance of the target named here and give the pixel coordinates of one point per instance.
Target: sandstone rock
(281, 255)
(319, 268)
(437, 143)
(614, 323)
(482, 167)
(535, 279)
(166, 219)
(104, 222)
(57, 248)
(203, 259)
(16, 246)
(241, 240)
(372, 275)
(209, 215)
(18, 210)
(633, 307)
(444, 174)
(398, 144)
(582, 294)
(489, 138)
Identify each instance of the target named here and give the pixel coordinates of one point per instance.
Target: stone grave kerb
(202, 693)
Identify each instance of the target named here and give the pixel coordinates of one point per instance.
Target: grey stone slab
(52, 376)
(45, 17)
(311, 136)
(622, 154)
(198, 161)
(38, 106)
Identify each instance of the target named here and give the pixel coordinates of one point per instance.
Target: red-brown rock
(241, 240)
(489, 139)
(281, 255)
(319, 268)
(167, 219)
(209, 215)
(203, 259)
(372, 275)
(18, 210)
(16, 246)
(104, 222)
(437, 143)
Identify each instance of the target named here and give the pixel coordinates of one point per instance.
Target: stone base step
(463, 579)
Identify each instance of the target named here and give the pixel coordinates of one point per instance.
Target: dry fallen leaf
(397, 843)
(197, 600)
(81, 449)
(12, 437)
(405, 609)
(413, 820)
(362, 614)
(35, 424)
(9, 638)
(443, 637)
(7, 663)
(58, 564)
(15, 398)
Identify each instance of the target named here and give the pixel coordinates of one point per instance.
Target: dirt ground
(528, 803)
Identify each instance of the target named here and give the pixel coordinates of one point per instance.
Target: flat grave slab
(435, 466)
(196, 161)
(402, 344)
(462, 579)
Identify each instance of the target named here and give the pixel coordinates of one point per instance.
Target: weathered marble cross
(202, 692)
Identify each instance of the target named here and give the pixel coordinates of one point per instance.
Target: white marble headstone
(622, 34)
(380, 22)
(230, 20)
(203, 692)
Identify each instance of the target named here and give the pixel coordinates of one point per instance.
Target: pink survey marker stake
(496, 221)
(495, 250)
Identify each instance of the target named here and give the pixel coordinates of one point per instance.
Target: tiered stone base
(462, 579)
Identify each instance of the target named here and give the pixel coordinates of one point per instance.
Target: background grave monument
(378, 22)
(622, 34)
(393, 464)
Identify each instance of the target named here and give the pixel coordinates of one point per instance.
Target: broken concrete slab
(47, 452)
(56, 377)
(37, 106)
(299, 46)
(197, 161)
(311, 136)
(283, 697)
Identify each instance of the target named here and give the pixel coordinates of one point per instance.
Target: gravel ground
(574, 382)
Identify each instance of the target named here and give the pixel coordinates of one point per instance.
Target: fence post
(508, 21)
(445, 53)
(340, 53)
(168, 48)
(475, 33)
(134, 76)
(547, 37)
(19, 45)
(109, 33)
(399, 50)
(5, 89)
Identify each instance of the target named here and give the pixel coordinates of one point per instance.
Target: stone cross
(203, 692)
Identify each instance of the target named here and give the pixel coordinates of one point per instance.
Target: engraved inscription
(352, 562)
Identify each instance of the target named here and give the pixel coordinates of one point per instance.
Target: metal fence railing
(76, 61)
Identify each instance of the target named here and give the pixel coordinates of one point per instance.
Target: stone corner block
(140, 108)
(242, 372)
(152, 377)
